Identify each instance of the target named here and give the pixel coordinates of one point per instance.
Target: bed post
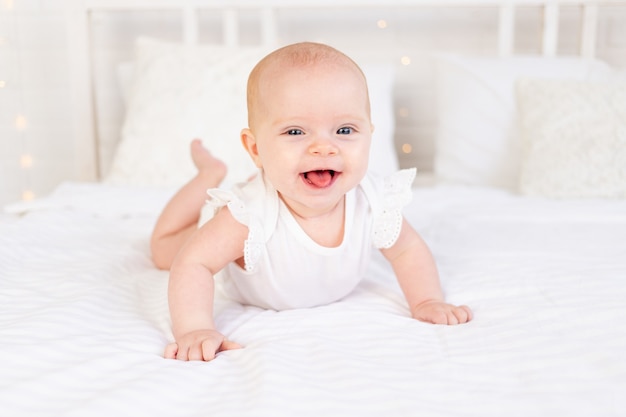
(588, 30)
(86, 166)
(269, 33)
(506, 27)
(190, 25)
(231, 27)
(550, 28)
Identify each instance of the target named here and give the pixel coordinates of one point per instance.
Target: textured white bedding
(84, 318)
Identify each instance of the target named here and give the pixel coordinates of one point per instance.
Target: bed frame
(80, 20)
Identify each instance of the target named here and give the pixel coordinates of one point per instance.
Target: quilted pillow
(573, 138)
(178, 93)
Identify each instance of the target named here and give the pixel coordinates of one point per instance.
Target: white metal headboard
(79, 18)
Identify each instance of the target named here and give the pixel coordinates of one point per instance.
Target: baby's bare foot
(208, 166)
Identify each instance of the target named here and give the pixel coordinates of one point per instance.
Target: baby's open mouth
(320, 178)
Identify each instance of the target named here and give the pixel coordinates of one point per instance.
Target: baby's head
(292, 57)
(309, 126)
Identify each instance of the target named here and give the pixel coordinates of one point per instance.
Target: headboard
(499, 27)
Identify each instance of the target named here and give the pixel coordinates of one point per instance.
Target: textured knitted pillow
(573, 138)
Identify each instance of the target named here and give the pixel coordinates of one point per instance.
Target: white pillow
(573, 138)
(180, 92)
(204, 96)
(380, 80)
(477, 139)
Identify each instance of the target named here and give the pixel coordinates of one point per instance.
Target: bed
(523, 206)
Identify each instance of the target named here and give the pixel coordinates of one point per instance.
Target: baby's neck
(326, 228)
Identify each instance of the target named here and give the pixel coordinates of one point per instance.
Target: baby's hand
(438, 312)
(199, 345)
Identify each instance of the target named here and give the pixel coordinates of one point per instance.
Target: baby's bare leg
(180, 216)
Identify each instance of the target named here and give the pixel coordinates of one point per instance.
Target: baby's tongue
(319, 178)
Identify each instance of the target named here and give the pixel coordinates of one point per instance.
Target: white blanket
(84, 318)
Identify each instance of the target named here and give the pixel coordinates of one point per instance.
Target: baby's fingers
(463, 314)
(170, 351)
(229, 345)
(442, 313)
(458, 315)
(209, 349)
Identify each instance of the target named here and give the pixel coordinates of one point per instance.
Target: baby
(299, 233)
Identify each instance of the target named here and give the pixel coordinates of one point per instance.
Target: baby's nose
(323, 146)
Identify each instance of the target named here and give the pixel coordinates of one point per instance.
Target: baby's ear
(249, 143)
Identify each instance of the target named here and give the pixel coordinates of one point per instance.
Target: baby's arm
(191, 287)
(417, 275)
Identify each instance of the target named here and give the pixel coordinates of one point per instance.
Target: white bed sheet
(84, 318)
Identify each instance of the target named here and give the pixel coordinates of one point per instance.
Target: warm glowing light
(407, 148)
(382, 24)
(403, 112)
(20, 122)
(26, 161)
(27, 195)
(8, 4)
(2, 83)
(405, 60)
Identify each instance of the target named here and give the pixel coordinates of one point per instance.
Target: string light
(405, 60)
(20, 123)
(27, 195)
(407, 148)
(26, 161)
(382, 24)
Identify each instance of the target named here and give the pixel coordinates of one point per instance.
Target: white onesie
(284, 267)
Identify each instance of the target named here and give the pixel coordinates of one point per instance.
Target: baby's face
(313, 134)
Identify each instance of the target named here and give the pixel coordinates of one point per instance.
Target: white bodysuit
(284, 267)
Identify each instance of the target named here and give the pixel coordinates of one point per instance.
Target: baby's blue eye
(344, 131)
(294, 132)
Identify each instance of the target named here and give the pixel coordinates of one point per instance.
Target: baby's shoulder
(389, 191)
(256, 202)
(387, 197)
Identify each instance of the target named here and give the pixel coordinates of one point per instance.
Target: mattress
(85, 320)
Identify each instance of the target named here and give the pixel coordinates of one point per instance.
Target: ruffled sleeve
(254, 244)
(394, 196)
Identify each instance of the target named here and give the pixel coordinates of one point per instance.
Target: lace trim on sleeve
(395, 195)
(253, 246)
